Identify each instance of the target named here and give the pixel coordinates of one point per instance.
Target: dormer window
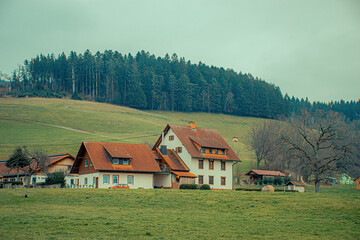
(118, 161)
(203, 150)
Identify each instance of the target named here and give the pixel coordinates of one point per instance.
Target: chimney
(163, 149)
(192, 125)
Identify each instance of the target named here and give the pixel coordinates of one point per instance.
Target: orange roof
(117, 151)
(184, 174)
(204, 137)
(266, 173)
(173, 160)
(142, 159)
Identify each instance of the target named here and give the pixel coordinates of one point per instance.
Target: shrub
(287, 179)
(189, 186)
(278, 180)
(205, 187)
(55, 178)
(270, 180)
(265, 180)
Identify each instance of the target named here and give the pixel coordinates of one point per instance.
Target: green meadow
(179, 214)
(60, 125)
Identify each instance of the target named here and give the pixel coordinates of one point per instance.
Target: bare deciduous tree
(319, 144)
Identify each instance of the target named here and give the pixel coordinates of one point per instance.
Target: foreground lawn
(184, 214)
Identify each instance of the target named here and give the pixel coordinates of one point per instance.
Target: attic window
(179, 149)
(171, 137)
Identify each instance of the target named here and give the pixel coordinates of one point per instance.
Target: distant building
(60, 162)
(357, 183)
(295, 185)
(256, 175)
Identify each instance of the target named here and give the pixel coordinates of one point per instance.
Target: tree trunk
(317, 183)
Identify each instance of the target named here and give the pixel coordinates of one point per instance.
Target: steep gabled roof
(142, 159)
(265, 173)
(204, 137)
(173, 160)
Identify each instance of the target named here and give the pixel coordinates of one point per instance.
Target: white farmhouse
(203, 151)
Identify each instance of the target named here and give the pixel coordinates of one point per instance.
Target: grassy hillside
(178, 214)
(59, 125)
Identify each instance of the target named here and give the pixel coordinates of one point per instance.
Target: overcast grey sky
(308, 48)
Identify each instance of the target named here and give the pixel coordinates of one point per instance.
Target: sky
(308, 48)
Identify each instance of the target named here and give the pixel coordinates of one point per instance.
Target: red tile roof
(265, 173)
(202, 136)
(117, 151)
(184, 174)
(142, 159)
(173, 160)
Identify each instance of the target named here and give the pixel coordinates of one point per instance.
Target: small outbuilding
(256, 175)
(295, 185)
(357, 183)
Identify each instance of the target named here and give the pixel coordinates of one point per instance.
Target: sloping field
(59, 125)
(178, 214)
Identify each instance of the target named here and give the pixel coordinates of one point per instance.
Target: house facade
(203, 151)
(103, 165)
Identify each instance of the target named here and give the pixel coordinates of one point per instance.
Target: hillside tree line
(154, 83)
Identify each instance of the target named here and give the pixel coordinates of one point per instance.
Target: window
(115, 161)
(106, 179)
(126, 162)
(211, 164)
(201, 179)
(203, 150)
(201, 164)
(69, 168)
(85, 181)
(179, 149)
(171, 137)
(130, 179)
(211, 180)
(223, 166)
(86, 163)
(90, 163)
(216, 151)
(223, 180)
(211, 150)
(115, 179)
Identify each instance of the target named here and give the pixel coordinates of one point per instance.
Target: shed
(260, 174)
(357, 183)
(295, 185)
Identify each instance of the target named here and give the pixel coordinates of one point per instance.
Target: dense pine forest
(169, 83)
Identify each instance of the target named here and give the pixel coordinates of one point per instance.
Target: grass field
(179, 214)
(60, 125)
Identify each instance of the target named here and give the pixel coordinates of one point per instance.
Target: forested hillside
(169, 83)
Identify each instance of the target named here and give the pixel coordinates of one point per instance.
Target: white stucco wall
(216, 172)
(141, 180)
(184, 155)
(163, 180)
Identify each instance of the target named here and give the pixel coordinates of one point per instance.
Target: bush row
(195, 186)
(273, 181)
